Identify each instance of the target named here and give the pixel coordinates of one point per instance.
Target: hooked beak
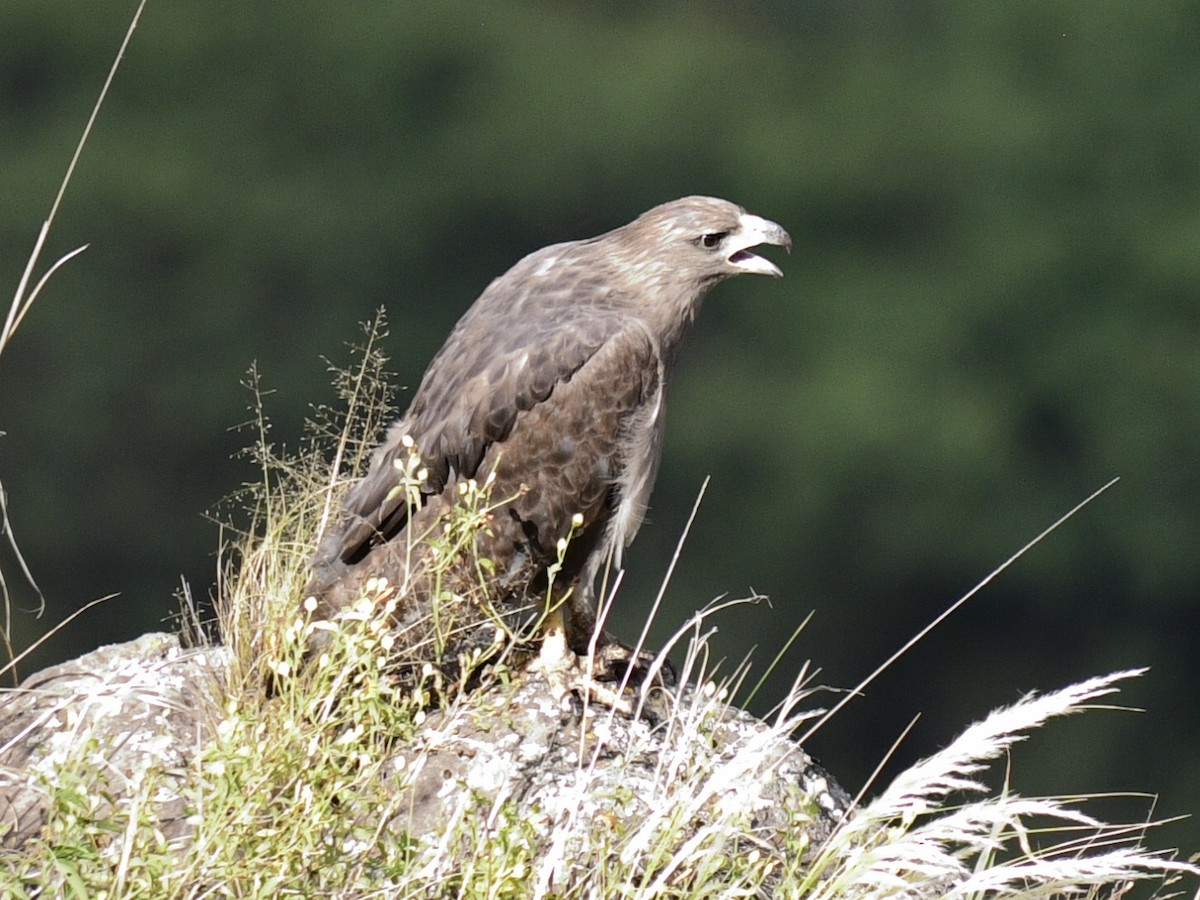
(754, 231)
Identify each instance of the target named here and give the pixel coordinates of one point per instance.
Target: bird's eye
(712, 239)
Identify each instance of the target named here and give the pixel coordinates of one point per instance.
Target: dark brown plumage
(555, 381)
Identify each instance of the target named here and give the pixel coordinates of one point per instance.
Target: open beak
(755, 231)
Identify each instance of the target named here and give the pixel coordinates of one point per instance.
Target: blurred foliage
(991, 310)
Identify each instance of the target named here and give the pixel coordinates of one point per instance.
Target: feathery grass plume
(920, 838)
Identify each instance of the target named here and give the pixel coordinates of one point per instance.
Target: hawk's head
(704, 238)
(668, 258)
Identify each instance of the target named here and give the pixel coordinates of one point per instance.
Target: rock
(150, 706)
(142, 705)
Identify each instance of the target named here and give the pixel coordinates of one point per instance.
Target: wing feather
(525, 336)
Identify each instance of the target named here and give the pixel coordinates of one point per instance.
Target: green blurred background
(991, 310)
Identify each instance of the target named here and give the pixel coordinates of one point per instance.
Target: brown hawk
(553, 386)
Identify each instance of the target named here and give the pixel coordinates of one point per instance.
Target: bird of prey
(550, 389)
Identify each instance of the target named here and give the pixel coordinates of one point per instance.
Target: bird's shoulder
(531, 329)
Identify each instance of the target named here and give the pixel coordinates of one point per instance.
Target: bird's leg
(569, 674)
(599, 677)
(556, 654)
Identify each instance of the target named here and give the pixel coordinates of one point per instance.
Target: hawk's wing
(505, 357)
